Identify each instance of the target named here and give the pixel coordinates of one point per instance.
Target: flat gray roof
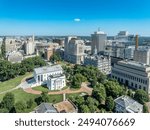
(48, 69)
(129, 103)
(134, 63)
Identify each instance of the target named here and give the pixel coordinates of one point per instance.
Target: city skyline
(78, 17)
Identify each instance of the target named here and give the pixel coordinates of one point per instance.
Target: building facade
(74, 51)
(30, 46)
(103, 63)
(10, 44)
(56, 82)
(15, 57)
(133, 74)
(48, 53)
(52, 76)
(142, 55)
(125, 104)
(98, 41)
(117, 49)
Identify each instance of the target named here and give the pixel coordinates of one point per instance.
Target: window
(146, 82)
(144, 88)
(132, 84)
(139, 86)
(122, 80)
(135, 85)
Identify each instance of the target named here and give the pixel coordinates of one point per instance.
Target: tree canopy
(141, 96)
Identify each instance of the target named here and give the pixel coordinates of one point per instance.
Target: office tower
(142, 55)
(74, 51)
(67, 39)
(30, 46)
(10, 44)
(48, 53)
(98, 41)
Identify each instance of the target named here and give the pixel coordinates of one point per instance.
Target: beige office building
(132, 74)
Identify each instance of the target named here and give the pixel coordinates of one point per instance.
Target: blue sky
(73, 17)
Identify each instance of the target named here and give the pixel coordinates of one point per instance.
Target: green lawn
(12, 83)
(20, 95)
(41, 88)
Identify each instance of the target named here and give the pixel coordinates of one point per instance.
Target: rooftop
(134, 63)
(45, 108)
(47, 69)
(97, 57)
(65, 107)
(128, 103)
(56, 75)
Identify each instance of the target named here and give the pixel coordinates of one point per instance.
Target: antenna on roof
(99, 29)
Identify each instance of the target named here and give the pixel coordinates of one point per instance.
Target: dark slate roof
(45, 108)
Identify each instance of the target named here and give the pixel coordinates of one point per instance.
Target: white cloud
(77, 20)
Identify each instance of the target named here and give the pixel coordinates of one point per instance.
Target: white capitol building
(51, 75)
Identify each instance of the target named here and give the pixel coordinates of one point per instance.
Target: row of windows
(41, 77)
(130, 77)
(132, 84)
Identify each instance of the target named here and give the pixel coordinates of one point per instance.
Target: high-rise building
(30, 46)
(67, 39)
(48, 53)
(10, 44)
(142, 55)
(98, 41)
(74, 51)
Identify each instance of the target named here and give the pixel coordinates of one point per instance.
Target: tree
(8, 101)
(93, 82)
(99, 93)
(85, 109)
(92, 101)
(92, 104)
(79, 101)
(102, 110)
(4, 110)
(3, 50)
(44, 97)
(109, 104)
(77, 80)
(30, 103)
(145, 109)
(130, 93)
(28, 64)
(23, 70)
(102, 78)
(113, 89)
(5, 70)
(141, 96)
(20, 107)
(55, 58)
(16, 68)
(38, 61)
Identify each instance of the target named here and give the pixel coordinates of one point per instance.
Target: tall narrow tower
(98, 40)
(136, 42)
(33, 38)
